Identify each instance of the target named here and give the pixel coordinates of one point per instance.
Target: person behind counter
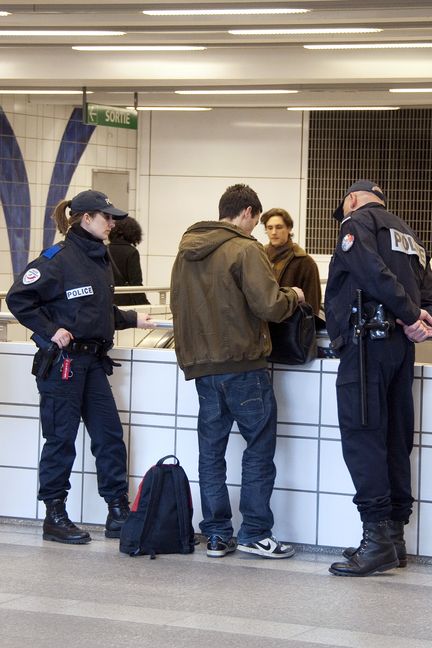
(292, 266)
(223, 292)
(125, 260)
(65, 297)
(378, 302)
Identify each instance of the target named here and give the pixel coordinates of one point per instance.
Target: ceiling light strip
(294, 32)
(138, 48)
(410, 90)
(172, 108)
(225, 12)
(59, 32)
(343, 108)
(235, 92)
(32, 91)
(348, 46)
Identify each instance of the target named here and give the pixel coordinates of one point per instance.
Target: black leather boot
(376, 553)
(396, 535)
(59, 528)
(118, 510)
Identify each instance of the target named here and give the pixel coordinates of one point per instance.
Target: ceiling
(360, 77)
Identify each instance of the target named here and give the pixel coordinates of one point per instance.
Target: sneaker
(218, 548)
(268, 548)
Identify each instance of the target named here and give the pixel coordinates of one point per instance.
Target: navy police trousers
(378, 455)
(86, 394)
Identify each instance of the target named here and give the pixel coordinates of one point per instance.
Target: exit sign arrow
(111, 116)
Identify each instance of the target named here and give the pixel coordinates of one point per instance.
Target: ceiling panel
(330, 77)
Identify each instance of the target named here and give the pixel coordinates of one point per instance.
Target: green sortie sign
(111, 116)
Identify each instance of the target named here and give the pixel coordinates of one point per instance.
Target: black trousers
(86, 394)
(378, 455)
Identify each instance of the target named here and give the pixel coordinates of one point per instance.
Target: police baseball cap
(95, 201)
(360, 185)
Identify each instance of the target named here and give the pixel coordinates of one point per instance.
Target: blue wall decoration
(73, 144)
(14, 195)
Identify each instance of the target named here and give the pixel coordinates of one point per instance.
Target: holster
(108, 364)
(377, 322)
(44, 359)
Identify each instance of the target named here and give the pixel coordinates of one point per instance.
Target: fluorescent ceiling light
(223, 12)
(410, 90)
(4, 13)
(344, 108)
(137, 48)
(329, 30)
(59, 32)
(347, 46)
(233, 92)
(178, 108)
(44, 92)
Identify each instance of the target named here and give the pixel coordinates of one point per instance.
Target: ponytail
(61, 220)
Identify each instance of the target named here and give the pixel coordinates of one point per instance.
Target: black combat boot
(396, 535)
(376, 553)
(59, 528)
(118, 510)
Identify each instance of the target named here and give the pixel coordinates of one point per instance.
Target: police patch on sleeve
(31, 276)
(347, 242)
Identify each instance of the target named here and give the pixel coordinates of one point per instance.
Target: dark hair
(63, 223)
(277, 211)
(235, 199)
(127, 229)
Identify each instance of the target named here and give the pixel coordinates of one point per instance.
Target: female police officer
(65, 297)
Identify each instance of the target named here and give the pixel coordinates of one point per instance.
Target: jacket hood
(202, 239)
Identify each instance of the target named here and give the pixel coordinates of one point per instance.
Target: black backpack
(160, 520)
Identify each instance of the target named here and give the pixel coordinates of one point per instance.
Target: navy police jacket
(70, 285)
(377, 252)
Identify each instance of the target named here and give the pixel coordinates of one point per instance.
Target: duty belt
(92, 347)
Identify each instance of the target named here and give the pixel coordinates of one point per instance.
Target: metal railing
(161, 309)
(125, 290)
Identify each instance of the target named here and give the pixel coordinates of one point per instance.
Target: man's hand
(62, 337)
(421, 330)
(144, 321)
(300, 295)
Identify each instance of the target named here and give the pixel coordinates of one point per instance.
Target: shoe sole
(381, 568)
(219, 554)
(47, 536)
(258, 552)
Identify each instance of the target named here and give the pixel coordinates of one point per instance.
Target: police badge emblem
(31, 276)
(347, 242)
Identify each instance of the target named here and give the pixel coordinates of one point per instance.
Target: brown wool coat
(292, 266)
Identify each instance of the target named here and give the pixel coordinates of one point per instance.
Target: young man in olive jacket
(223, 292)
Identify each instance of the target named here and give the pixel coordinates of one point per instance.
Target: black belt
(92, 347)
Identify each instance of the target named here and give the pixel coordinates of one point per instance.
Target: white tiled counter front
(312, 499)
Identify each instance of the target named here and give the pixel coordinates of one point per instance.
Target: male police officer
(378, 298)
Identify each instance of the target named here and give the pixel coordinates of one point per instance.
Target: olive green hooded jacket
(223, 293)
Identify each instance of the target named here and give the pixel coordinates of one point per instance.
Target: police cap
(360, 185)
(95, 201)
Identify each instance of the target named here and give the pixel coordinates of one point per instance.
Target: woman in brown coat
(292, 266)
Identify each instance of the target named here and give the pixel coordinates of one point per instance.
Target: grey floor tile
(57, 595)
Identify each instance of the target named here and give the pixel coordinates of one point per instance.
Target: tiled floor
(54, 596)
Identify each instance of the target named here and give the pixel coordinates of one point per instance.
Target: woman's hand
(144, 321)
(62, 337)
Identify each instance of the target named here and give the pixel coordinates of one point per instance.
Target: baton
(359, 327)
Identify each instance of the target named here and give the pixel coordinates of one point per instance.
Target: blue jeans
(248, 399)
